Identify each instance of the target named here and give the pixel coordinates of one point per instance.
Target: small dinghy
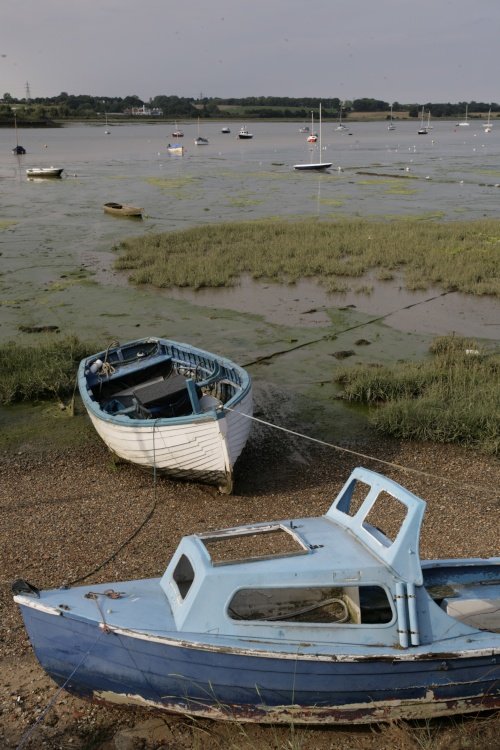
(170, 407)
(45, 172)
(327, 620)
(121, 209)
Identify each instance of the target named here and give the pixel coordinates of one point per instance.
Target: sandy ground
(64, 513)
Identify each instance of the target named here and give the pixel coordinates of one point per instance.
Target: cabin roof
(340, 547)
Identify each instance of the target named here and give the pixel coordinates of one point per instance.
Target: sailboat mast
(320, 131)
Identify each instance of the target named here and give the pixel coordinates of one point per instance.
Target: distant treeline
(83, 106)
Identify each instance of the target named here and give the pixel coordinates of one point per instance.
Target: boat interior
(468, 592)
(161, 387)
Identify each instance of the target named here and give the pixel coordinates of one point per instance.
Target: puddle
(306, 305)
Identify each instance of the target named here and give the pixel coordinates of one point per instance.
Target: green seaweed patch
(379, 181)
(398, 190)
(170, 183)
(82, 276)
(242, 202)
(491, 172)
(6, 223)
(331, 202)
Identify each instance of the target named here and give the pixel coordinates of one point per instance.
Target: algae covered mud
(58, 260)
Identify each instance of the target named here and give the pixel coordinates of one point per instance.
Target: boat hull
(205, 449)
(197, 441)
(45, 172)
(117, 209)
(111, 665)
(314, 167)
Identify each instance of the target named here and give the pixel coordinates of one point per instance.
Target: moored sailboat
(314, 166)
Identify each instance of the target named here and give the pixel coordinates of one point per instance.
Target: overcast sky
(395, 50)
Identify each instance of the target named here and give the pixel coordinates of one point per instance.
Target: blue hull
(226, 683)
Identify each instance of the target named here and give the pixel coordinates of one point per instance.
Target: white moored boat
(314, 166)
(170, 407)
(44, 172)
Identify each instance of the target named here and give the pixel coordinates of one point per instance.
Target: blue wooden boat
(169, 406)
(311, 620)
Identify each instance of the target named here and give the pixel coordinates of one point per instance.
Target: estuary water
(55, 239)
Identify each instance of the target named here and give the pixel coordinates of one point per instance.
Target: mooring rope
(135, 532)
(94, 595)
(265, 357)
(352, 452)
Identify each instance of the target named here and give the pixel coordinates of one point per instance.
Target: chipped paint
(393, 656)
(377, 711)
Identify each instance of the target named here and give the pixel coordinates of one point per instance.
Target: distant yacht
(391, 125)
(423, 129)
(341, 125)
(488, 125)
(465, 123)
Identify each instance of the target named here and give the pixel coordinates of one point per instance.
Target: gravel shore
(63, 514)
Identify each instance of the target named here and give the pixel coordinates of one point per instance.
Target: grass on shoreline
(462, 256)
(46, 371)
(450, 398)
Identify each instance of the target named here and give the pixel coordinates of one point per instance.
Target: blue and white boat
(169, 406)
(308, 620)
(175, 148)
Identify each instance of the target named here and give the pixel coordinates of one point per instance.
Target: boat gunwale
(396, 655)
(221, 411)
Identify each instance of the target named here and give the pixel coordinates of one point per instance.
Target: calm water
(50, 228)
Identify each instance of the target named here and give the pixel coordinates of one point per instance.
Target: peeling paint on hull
(226, 684)
(380, 712)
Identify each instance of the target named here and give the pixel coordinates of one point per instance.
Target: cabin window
(387, 515)
(183, 575)
(355, 496)
(350, 605)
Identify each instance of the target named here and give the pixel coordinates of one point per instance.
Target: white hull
(44, 172)
(169, 407)
(204, 449)
(313, 167)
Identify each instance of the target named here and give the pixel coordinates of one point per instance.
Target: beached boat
(45, 172)
(317, 166)
(122, 209)
(308, 620)
(244, 134)
(175, 148)
(170, 407)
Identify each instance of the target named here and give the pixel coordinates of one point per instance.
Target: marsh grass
(47, 370)
(463, 256)
(452, 397)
